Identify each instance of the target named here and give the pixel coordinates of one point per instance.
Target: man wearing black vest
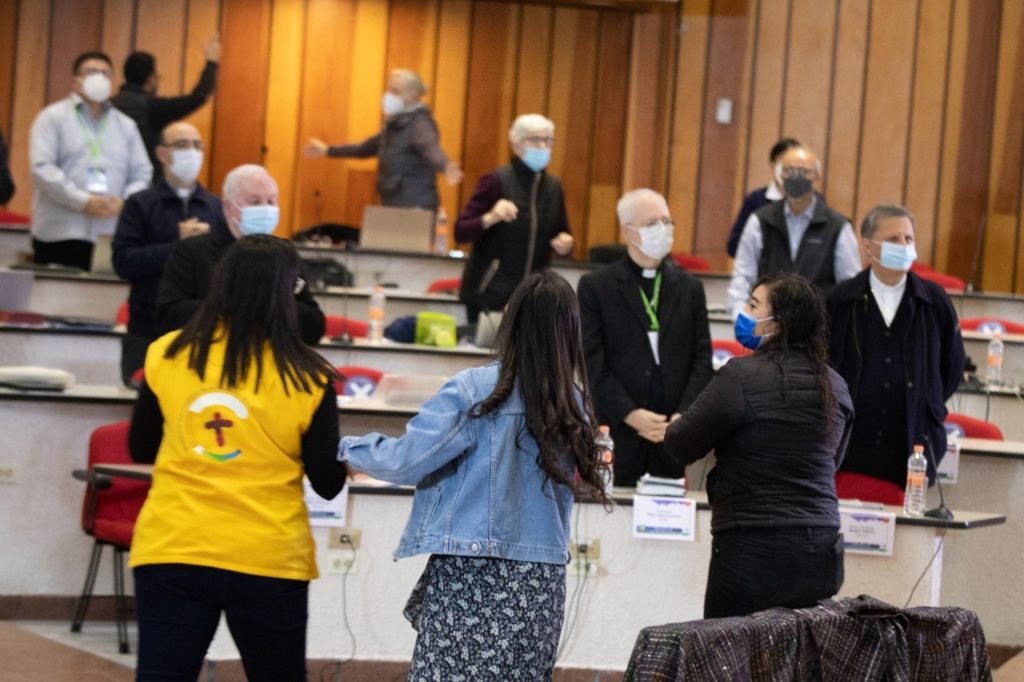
(646, 340)
(896, 340)
(515, 219)
(799, 233)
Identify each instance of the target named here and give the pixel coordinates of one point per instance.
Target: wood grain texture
(203, 20)
(75, 28)
(450, 95)
(8, 48)
(118, 34)
(533, 72)
(765, 100)
(925, 157)
(412, 38)
(160, 30)
(809, 72)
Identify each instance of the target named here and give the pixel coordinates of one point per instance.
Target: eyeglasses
(103, 72)
(185, 144)
(538, 141)
(790, 171)
(665, 222)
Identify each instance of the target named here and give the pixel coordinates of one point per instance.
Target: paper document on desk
(664, 518)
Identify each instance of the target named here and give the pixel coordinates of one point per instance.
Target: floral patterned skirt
(486, 619)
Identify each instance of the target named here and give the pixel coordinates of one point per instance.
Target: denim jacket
(478, 491)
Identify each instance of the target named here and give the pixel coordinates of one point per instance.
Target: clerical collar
(641, 272)
(184, 192)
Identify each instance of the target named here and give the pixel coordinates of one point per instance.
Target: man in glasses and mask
(798, 233)
(86, 158)
(646, 339)
(895, 339)
(176, 207)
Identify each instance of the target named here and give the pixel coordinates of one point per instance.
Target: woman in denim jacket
(494, 456)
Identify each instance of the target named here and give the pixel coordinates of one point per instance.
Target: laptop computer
(102, 262)
(15, 289)
(387, 228)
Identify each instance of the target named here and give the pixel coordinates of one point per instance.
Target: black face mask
(796, 186)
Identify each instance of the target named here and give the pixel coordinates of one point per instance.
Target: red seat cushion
(850, 485)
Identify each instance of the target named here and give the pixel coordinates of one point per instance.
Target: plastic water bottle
(917, 483)
(441, 232)
(994, 364)
(604, 441)
(376, 315)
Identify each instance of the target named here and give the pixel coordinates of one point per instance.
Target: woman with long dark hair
(779, 422)
(235, 408)
(494, 456)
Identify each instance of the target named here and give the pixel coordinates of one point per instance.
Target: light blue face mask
(744, 329)
(897, 256)
(259, 219)
(536, 158)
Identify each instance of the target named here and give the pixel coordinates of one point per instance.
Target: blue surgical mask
(259, 219)
(536, 158)
(897, 256)
(744, 329)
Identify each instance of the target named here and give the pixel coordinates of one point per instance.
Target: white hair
(625, 208)
(412, 79)
(526, 125)
(234, 179)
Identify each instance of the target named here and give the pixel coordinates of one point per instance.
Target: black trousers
(179, 607)
(76, 253)
(133, 355)
(757, 568)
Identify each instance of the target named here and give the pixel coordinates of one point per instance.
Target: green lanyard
(95, 140)
(652, 305)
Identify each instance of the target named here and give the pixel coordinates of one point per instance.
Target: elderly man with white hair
(646, 339)
(515, 219)
(250, 206)
(408, 147)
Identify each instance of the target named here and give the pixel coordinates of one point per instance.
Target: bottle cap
(604, 428)
(919, 448)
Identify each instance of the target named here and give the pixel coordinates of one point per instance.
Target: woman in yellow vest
(234, 410)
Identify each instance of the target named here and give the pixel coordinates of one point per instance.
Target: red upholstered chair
(335, 325)
(853, 486)
(12, 218)
(991, 324)
(948, 282)
(973, 428)
(108, 514)
(688, 261)
(357, 380)
(445, 286)
(122, 314)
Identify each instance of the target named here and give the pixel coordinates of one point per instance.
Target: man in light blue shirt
(798, 234)
(86, 158)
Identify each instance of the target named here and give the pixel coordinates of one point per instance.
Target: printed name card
(867, 531)
(664, 518)
(949, 467)
(325, 512)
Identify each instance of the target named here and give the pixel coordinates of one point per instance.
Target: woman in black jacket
(779, 422)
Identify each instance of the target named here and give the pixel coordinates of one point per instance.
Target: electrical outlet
(589, 549)
(344, 538)
(8, 473)
(342, 562)
(580, 566)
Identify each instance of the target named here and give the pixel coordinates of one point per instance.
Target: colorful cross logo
(222, 427)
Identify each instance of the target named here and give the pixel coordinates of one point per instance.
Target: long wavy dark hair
(539, 346)
(801, 324)
(252, 301)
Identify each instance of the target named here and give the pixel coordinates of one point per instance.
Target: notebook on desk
(15, 289)
(387, 228)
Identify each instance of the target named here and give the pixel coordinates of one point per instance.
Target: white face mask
(96, 87)
(185, 164)
(391, 104)
(655, 240)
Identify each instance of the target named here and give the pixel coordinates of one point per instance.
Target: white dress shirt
(61, 157)
(887, 297)
(846, 261)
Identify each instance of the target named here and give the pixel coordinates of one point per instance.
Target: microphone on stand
(942, 511)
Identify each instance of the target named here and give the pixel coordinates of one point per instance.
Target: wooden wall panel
(1004, 201)
(284, 90)
(118, 34)
(886, 116)
(533, 75)
(75, 28)
(160, 30)
(450, 95)
(688, 109)
(842, 149)
(242, 85)
(412, 38)
(203, 22)
(573, 71)
(494, 36)
(809, 72)
(8, 48)
(977, 106)
(30, 93)
(927, 113)
(649, 103)
(765, 101)
(721, 145)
